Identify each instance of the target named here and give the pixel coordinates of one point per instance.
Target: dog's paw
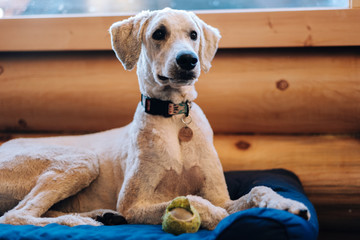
(217, 215)
(14, 217)
(210, 214)
(265, 197)
(110, 218)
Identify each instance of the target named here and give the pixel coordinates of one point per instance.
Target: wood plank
(289, 91)
(260, 91)
(327, 165)
(65, 92)
(287, 28)
(240, 29)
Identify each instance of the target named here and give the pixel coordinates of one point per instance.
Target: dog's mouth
(181, 77)
(163, 78)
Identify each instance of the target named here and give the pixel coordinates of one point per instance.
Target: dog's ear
(126, 39)
(209, 40)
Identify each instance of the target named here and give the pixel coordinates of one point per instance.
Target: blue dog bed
(254, 224)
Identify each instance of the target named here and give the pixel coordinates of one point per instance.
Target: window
(11, 8)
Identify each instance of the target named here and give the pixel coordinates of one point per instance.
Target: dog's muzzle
(183, 72)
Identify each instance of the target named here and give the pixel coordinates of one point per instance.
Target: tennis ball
(180, 217)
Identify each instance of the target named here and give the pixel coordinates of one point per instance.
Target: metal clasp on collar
(182, 108)
(188, 104)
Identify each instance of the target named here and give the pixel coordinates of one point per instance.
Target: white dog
(134, 171)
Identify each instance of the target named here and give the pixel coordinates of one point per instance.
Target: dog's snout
(187, 60)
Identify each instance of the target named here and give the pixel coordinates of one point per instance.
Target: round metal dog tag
(185, 134)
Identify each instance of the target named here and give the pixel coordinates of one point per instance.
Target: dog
(131, 174)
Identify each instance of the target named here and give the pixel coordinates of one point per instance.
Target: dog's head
(174, 44)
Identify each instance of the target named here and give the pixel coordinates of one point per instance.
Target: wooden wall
(293, 108)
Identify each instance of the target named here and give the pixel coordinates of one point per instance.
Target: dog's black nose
(187, 60)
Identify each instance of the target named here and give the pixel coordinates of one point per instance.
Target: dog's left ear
(126, 39)
(209, 40)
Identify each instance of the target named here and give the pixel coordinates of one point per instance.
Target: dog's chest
(177, 167)
(173, 184)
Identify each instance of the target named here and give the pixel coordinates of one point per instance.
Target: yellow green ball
(180, 217)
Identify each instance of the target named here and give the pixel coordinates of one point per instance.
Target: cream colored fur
(138, 169)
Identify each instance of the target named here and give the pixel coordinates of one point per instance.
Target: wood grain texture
(260, 91)
(289, 91)
(65, 92)
(240, 29)
(327, 165)
(289, 28)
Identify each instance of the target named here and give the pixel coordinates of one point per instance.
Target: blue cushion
(268, 224)
(255, 223)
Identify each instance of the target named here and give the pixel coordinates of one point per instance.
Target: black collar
(164, 108)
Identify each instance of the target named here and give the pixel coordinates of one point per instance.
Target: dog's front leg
(139, 205)
(265, 197)
(210, 214)
(56, 173)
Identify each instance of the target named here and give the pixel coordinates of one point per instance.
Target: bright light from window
(38, 7)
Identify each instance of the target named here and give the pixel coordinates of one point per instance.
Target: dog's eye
(193, 35)
(159, 34)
